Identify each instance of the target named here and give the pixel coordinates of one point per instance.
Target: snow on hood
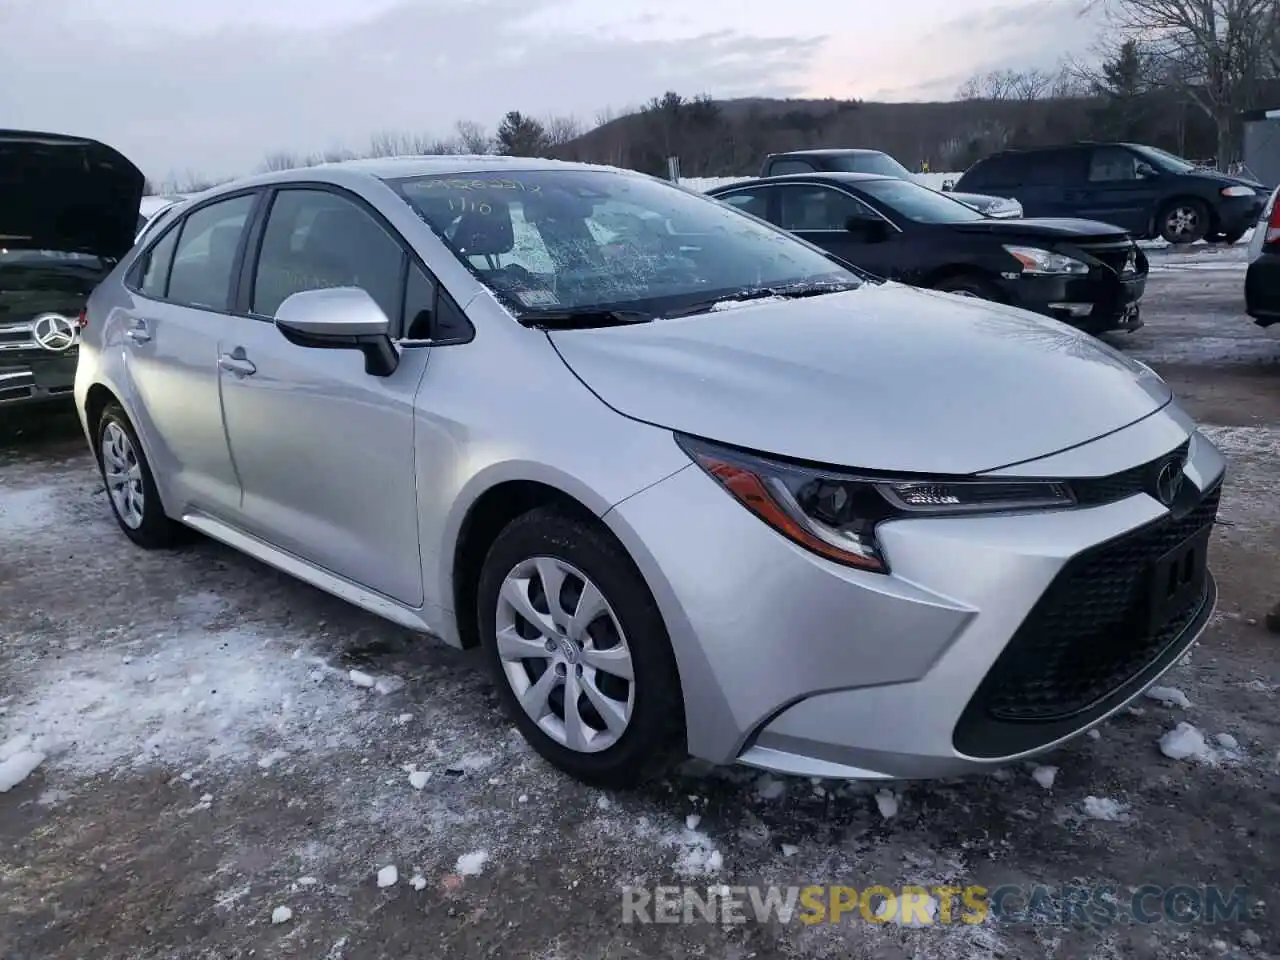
(884, 377)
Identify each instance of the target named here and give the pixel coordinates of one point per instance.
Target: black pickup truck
(844, 160)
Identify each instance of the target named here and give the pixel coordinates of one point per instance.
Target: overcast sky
(213, 86)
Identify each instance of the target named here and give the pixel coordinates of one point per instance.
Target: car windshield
(877, 163)
(1163, 160)
(919, 203)
(577, 240)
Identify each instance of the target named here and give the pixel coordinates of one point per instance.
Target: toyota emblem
(1169, 482)
(55, 332)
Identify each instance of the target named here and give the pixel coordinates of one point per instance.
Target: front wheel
(131, 488)
(966, 285)
(1184, 221)
(578, 649)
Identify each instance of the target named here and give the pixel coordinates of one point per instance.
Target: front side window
(919, 203)
(578, 239)
(818, 208)
(316, 239)
(1110, 164)
(1164, 160)
(206, 253)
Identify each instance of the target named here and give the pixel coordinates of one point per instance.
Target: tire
(581, 551)
(968, 285)
(135, 502)
(1184, 221)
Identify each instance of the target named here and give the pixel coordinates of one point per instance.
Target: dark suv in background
(1148, 192)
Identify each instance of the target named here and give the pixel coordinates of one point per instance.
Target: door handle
(237, 363)
(138, 332)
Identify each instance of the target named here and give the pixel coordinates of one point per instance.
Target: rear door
(325, 450)
(1114, 192)
(1050, 179)
(169, 333)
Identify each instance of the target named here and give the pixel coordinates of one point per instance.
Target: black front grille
(1114, 255)
(1087, 636)
(15, 336)
(1140, 479)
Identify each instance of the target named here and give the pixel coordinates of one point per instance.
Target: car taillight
(1273, 222)
(82, 321)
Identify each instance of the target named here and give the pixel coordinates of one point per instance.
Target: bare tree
(562, 129)
(1214, 52)
(473, 137)
(1029, 84)
(992, 85)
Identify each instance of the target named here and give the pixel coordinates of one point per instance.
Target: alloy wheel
(123, 475)
(565, 655)
(1182, 221)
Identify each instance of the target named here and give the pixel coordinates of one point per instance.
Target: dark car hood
(67, 193)
(1227, 180)
(885, 377)
(1044, 228)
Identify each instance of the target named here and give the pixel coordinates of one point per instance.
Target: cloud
(213, 97)
(1018, 36)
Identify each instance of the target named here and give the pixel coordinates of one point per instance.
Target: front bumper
(1235, 215)
(36, 378)
(794, 664)
(1095, 303)
(1262, 289)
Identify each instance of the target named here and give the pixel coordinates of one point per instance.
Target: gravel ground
(207, 759)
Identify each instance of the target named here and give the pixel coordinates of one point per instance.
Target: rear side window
(993, 171)
(156, 263)
(1111, 164)
(1052, 168)
(756, 204)
(206, 253)
(779, 168)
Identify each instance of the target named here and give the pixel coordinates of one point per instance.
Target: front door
(324, 450)
(170, 337)
(1115, 192)
(841, 224)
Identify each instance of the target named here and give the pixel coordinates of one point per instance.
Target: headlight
(1037, 262)
(834, 513)
(1239, 191)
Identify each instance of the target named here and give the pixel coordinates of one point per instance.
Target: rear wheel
(131, 488)
(968, 285)
(578, 650)
(1184, 221)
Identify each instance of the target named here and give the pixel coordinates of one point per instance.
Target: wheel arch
(954, 271)
(1153, 228)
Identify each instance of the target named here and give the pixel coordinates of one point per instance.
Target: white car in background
(151, 207)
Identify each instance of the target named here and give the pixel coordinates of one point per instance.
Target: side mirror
(340, 318)
(1147, 172)
(948, 186)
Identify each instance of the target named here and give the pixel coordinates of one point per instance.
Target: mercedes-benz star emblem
(55, 332)
(1169, 482)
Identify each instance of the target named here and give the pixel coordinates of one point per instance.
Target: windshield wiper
(585, 319)
(787, 291)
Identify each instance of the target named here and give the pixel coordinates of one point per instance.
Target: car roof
(393, 168)
(820, 177)
(828, 152)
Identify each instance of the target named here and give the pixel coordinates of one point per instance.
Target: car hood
(982, 200)
(1048, 228)
(1227, 180)
(68, 194)
(885, 377)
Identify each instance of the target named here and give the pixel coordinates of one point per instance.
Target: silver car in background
(692, 486)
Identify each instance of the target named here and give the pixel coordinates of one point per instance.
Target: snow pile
(1045, 776)
(1104, 808)
(471, 864)
(388, 876)
(201, 696)
(1185, 742)
(18, 760)
(1169, 696)
(892, 911)
(887, 804)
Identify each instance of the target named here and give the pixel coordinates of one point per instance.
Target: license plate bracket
(1177, 578)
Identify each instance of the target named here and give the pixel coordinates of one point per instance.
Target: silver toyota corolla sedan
(692, 485)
